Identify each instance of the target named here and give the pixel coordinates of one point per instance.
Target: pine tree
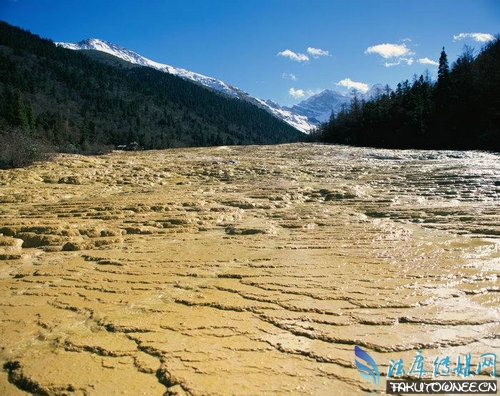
(443, 117)
(443, 68)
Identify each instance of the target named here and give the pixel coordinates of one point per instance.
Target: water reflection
(453, 190)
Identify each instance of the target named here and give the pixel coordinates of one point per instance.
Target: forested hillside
(461, 110)
(75, 102)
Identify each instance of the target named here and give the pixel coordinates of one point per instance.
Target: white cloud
(289, 76)
(479, 37)
(348, 83)
(396, 54)
(294, 56)
(427, 61)
(398, 61)
(388, 51)
(296, 93)
(317, 52)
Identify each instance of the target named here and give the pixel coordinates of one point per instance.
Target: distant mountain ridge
(298, 121)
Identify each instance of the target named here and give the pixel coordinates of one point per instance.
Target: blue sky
(284, 50)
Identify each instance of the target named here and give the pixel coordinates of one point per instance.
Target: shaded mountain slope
(78, 103)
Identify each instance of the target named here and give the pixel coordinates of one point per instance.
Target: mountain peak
(115, 50)
(319, 107)
(101, 45)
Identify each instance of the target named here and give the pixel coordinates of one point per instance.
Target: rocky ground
(243, 270)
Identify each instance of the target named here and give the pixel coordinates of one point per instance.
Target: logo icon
(367, 367)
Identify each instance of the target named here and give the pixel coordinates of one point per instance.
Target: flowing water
(245, 270)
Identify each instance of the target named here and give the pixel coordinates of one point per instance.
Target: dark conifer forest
(55, 99)
(461, 110)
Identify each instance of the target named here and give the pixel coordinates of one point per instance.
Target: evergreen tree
(443, 68)
(442, 119)
(460, 111)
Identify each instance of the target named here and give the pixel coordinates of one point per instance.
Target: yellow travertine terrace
(244, 270)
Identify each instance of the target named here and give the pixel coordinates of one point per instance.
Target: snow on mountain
(319, 107)
(375, 91)
(298, 121)
(133, 57)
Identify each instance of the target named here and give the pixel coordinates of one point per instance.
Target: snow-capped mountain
(319, 107)
(298, 121)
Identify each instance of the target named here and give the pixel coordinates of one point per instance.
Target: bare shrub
(18, 148)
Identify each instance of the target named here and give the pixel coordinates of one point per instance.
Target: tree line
(461, 110)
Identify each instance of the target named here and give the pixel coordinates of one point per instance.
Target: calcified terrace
(243, 270)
